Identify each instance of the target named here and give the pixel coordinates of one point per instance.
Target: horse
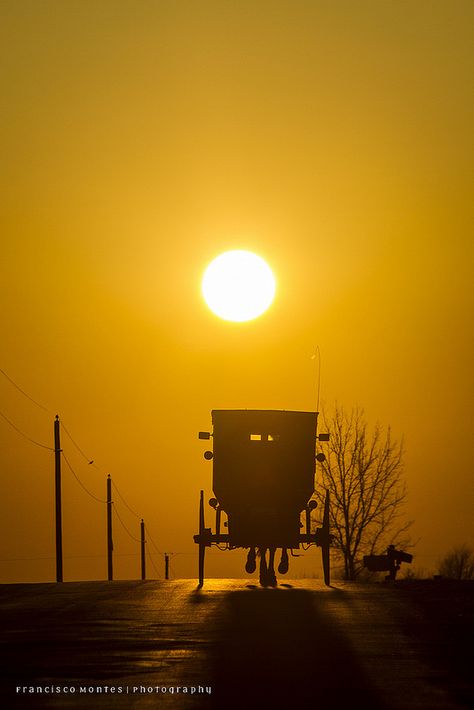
(267, 575)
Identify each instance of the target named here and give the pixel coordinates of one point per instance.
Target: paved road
(300, 645)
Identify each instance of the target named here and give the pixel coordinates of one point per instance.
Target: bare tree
(458, 563)
(364, 475)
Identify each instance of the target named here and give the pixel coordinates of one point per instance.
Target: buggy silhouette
(263, 480)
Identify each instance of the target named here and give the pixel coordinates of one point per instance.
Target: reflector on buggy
(263, 480)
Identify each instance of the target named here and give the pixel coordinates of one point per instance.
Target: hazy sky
(143, 138)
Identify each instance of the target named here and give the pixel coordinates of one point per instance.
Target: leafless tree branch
(364, 474)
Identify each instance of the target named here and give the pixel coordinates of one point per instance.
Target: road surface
(235, 645)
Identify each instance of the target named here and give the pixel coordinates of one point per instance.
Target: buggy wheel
(202, 547)
(202, 552)
(326, 539)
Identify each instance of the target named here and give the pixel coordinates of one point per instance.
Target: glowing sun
(238, 286)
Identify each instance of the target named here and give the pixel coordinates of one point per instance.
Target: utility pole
(57, 477)
(142, 545)
(167, 566)
(110, 544)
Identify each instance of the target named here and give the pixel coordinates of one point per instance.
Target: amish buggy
(263, 481)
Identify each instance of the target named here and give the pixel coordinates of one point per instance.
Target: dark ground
(300, 645)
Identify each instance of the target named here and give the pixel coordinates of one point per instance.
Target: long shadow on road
(275, 648)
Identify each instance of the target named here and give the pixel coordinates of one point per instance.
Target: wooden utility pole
(59, 527)
(142, 545)
(110, 544)
(167, 566)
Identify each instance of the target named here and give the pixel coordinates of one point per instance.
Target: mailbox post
(390, 562)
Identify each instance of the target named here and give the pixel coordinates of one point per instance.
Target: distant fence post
(167, 566)
(57, 480)
(110, 544)
(142, 547)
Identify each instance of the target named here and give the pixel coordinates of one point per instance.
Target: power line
(80, 482)
(160, 552)
(63, 426)
(124, 526)
(45, 409)
(125, 502)
(22, 391)
(89, 461)
(68, 557)
(25, 436)
(90, 557)
(153, 564)
(25, 559)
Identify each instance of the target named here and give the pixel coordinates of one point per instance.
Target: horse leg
(263, 566)
(271, 568)
(283, 566)
(251, 564)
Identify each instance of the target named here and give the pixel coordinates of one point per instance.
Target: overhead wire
(124, 526)
(99, 500)
(22, 391)
(125, 502)
(25, 436)
(92, 462)
(45, 409)
(25, 559)
(152, 563)
(68, 557)
(63, 427)
(160, 552)
(87, 458)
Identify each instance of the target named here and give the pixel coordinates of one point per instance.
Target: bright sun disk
(238, 286)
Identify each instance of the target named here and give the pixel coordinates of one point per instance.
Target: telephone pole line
(142, 546)
(110, 544)
(57, 486)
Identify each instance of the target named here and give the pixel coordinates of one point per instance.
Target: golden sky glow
(140, 140)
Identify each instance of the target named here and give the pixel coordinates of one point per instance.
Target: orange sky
(140, 140)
